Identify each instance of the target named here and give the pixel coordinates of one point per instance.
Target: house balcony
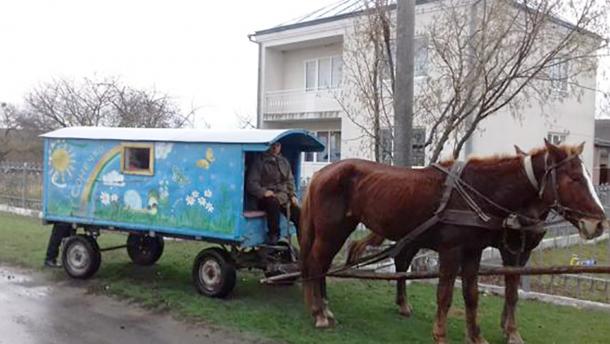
(291, 105)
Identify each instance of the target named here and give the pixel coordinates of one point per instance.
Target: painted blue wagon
(155, 183)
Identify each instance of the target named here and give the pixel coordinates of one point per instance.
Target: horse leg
(327, 312)
(449, 261)
(402, 262)
(471, 260)
(511, 297)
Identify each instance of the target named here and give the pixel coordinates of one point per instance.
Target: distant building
(602, 149)
(300, 71)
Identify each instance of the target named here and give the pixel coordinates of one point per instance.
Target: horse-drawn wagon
(156, 183)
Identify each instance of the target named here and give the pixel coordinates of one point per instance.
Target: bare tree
(147, 109)
(366, 96)
(245, 121)
(17, 143)
(103, 102)
(8, 125)
(504, 55)
(486, 58)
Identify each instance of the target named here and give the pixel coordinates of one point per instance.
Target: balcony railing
(304, 104)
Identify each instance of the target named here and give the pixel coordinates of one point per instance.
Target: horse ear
(555, 151)
(580, 148)
(520, 151)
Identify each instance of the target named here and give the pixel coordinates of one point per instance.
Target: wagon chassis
(214, 269)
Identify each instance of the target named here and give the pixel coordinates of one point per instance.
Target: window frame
(559, 75)
(386, 153)
(418, 74)
(332, 78)
(150, 171)
(562, 137)
(315, 155)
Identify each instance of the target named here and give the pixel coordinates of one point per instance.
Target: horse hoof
(323, 322)
(514, 338)
(329, 314)
(405, 310)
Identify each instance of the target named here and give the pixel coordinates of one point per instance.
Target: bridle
(550, 170)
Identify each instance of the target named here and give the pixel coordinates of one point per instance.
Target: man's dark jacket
(269, 172)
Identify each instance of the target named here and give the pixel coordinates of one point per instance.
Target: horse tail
(357, 248)
(306, 232)
(306, 239)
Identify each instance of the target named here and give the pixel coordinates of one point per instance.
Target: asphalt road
(34, 310)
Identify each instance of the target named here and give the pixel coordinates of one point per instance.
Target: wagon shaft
(359, 274)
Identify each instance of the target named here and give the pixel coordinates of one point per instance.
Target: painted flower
(164, 194)
(207, 193)
(114, 198)
(202, 201)
(105, 198)
(209, 207)
(190, 200)
(195, 194)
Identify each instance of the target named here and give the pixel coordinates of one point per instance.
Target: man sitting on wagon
(271, 182)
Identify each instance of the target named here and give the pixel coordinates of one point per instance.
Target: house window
(332, 150)
(137, 159)
(556, 138)
(323, 73)
(418, 152)
(421, 56)
(558, 74)
(420, 67)
(310, 75)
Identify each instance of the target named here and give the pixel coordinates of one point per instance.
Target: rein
(453, 181)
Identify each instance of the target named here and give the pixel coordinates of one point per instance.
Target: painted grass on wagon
(365, 310)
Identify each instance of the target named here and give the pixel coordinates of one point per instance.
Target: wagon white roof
(175, 135)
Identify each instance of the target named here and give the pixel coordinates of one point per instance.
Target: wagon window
(137, 159)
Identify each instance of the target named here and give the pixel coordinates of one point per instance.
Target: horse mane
(499, 158)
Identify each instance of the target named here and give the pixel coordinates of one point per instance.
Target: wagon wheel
(214, 272)
(144, 249)
(81, 256)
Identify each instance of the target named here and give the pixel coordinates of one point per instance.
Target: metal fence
(21, 184)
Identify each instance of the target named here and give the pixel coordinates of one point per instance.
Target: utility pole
(403, 94)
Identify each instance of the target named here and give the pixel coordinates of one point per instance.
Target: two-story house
(301, 67)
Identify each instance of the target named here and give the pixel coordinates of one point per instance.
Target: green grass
(600, 252)
(365, 310)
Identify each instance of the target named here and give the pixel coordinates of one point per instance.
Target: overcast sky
(197, 51)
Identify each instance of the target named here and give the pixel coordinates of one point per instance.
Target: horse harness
(475, 216)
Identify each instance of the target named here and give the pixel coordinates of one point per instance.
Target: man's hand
(269, 193)
(294, 200)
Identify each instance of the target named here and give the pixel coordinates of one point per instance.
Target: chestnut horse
(393, 201)
(515, 249)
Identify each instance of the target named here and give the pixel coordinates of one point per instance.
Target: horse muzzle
(592, 228)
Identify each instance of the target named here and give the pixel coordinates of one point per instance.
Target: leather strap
(529, 171)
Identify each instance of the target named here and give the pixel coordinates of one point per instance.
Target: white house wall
(284, 69)
(274, 76)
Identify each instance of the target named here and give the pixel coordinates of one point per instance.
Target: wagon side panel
(189, 189)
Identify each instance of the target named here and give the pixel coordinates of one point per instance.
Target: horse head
(567, 187)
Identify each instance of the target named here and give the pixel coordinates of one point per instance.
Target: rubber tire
(226, 272)
(91, 251)
(154, 249)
